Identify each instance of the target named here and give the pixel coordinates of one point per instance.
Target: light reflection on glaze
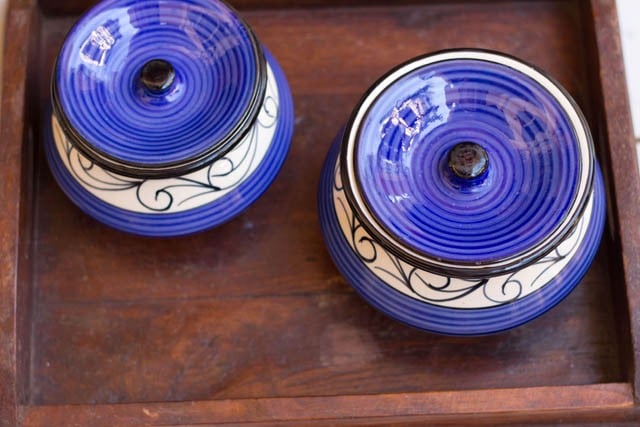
(404, 142)
(218, 75)
(103, 40)
(421, 112)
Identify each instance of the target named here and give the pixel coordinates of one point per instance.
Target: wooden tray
(250, 322)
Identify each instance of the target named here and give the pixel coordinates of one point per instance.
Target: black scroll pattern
(163, 195)
(443, 290)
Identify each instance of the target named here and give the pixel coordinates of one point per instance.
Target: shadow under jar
(168, 117)
(463, 196)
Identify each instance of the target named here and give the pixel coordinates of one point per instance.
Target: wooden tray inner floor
(255, 308)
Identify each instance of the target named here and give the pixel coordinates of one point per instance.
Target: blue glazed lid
(467, 162)
(158, 88)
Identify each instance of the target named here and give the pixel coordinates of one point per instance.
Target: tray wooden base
(250, 322)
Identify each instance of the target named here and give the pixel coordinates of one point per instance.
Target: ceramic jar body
(450, 255)
(177, 160)
(448, 304)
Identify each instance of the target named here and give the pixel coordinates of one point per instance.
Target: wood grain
(251, 322)
(626, 180)
(76, 7)
(493, 407)
(221, 315)
(14, 315)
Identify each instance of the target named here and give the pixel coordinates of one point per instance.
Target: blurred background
(629, 15)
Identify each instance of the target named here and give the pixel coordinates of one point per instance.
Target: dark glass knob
(468, 160)
(157, 75)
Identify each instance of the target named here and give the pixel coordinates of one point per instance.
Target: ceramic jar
(168, 117)
(463, 196)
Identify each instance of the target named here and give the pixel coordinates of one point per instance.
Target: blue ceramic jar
(463, 196)
(169, 117)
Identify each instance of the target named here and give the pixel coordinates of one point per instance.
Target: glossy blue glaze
(203, 217)
(463, 196)
(434, 318)
(216, 64)
(402, 161)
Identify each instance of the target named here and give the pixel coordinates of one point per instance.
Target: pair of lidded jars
(462, 197)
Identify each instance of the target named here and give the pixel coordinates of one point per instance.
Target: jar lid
(467, 162)
(158, 88)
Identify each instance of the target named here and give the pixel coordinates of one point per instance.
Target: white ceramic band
(584, 185)
(453, 292)
(182, 193)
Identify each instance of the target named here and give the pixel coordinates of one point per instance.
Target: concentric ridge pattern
(532, 176)
(218, 70)
(203, 217)
(445, 320)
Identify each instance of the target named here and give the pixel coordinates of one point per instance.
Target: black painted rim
(216, 150)
(458, 268)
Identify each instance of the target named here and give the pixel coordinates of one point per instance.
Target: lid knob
(157, 75)
(468, 160)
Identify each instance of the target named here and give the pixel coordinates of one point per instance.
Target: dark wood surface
(624, 181)
(251, 319)
(477, 407)
(15, 225)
